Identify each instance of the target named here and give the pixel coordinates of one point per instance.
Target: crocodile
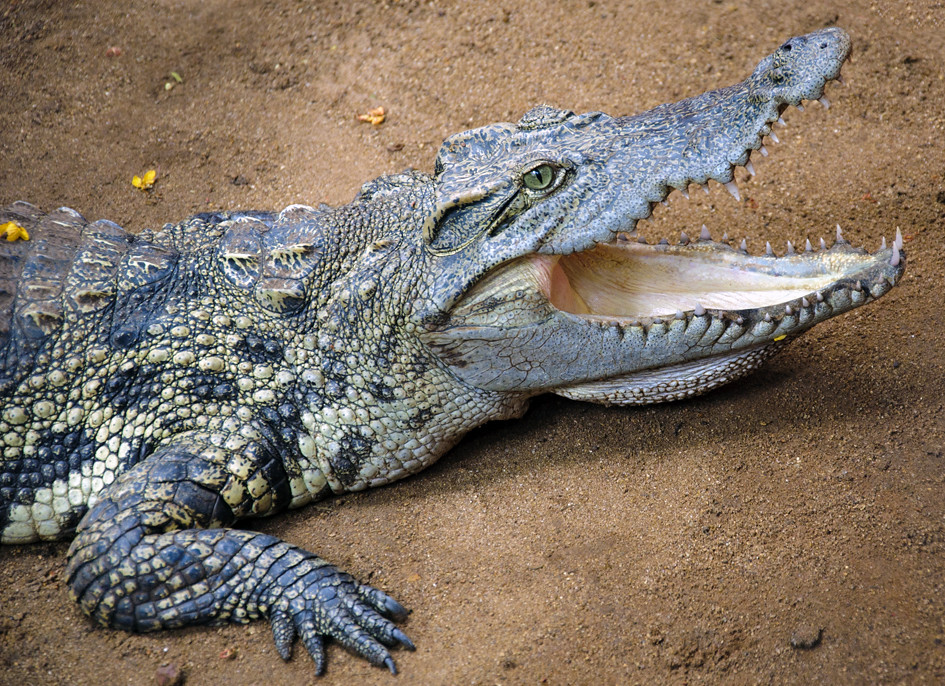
(159, 386)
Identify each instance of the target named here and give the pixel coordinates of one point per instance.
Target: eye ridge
(541, 177)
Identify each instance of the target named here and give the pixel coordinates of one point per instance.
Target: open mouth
(628, 282)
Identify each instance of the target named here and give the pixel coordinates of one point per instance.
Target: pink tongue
(562, 295)
(554, 284)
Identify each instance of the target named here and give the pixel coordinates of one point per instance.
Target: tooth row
(732, 326)
(705, 235)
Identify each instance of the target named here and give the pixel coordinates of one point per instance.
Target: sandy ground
(681, 543)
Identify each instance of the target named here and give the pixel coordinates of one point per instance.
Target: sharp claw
(395, 609)
(383, 603)
(315, 645)
(403, 640)
(389, 663)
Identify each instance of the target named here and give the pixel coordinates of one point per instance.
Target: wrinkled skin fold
(158, 388)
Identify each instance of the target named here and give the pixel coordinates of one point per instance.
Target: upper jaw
(633, 163)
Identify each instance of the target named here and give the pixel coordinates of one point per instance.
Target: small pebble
(168, 675)
(806, 637)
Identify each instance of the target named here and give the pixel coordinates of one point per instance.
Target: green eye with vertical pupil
(539, 178)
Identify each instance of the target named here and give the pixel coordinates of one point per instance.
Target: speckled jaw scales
(157, 388)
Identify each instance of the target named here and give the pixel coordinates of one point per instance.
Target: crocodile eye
(539, 178)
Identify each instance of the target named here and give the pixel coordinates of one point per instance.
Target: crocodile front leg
(152, 554)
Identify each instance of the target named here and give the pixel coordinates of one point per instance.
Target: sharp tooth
(744, 246)
(823, 244)
(664, 203)
(750, 167)
(839, 235)
(790, 248)
(733, 189)
(739, 320)
(725, 237)
(767, 317)
(800, 107)
(763, 150)
(680, 314)
(897, 246)
(882, 245)
(704, 234)
(807, 246)
(705, 187)
(840, 80)
(820, 296)
(858, 287)
(788, 311)
(683, 238)
(699, 311)
(685, 193)
(768, 250)
(805, 302)
(782, 122)
(774, 137)
(823, 101)
(641, 239)
(663, 241)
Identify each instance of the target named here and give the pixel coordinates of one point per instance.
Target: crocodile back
(33, 274)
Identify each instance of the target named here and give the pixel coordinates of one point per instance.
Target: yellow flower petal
(14, 232)
(375, 116)
(144, 182)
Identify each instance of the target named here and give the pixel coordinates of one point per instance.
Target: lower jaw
(674, 382)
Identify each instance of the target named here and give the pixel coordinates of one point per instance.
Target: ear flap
(460, 219)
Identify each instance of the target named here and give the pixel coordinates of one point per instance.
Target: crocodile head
(543, 288)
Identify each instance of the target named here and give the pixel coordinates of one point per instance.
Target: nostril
(823, 46)
(787, 47)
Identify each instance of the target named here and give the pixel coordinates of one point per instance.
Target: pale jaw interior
(632, 281)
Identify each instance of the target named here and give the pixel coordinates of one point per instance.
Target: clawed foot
(324, 602)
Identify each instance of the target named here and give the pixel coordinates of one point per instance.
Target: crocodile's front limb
(152, 554)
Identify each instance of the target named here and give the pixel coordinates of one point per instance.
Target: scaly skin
(157, 388)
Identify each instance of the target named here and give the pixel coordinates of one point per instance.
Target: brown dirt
(680, 543)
